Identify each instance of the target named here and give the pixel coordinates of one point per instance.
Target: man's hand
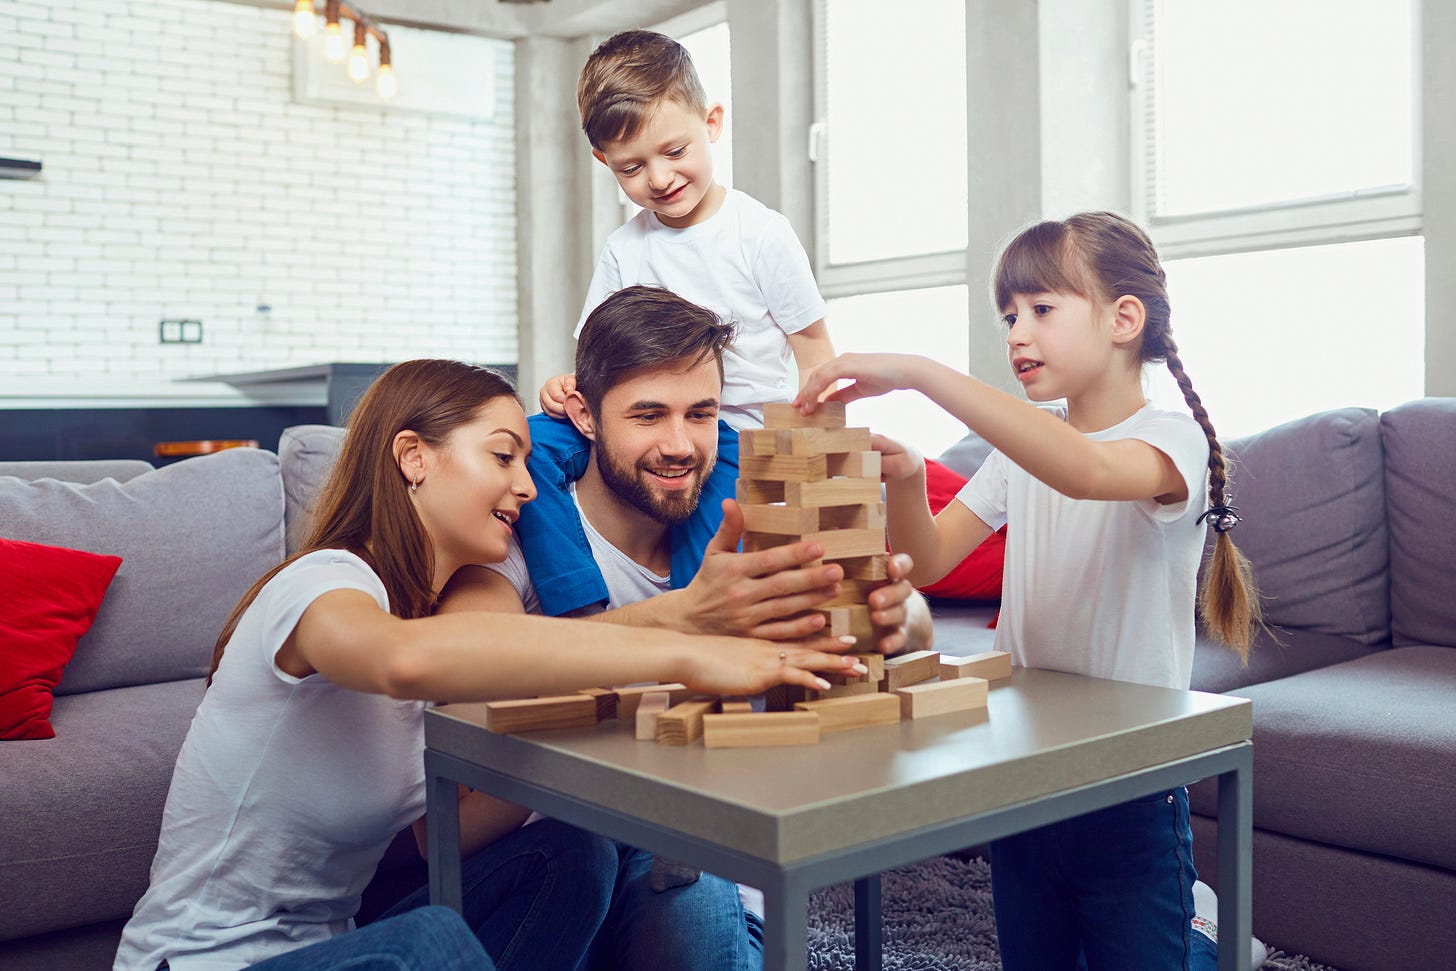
(554, 394)
(761, 594)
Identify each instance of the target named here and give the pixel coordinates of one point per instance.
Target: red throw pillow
(978, 576)
(48, 598)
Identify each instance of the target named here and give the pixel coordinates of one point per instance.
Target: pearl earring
(414, 486)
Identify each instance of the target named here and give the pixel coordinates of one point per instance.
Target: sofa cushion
(51, 597)
(193, 537)
(1312, 493)
(306, 454)
(1358, 755)
(1420, 494)
(1217, 669)
(83, 809)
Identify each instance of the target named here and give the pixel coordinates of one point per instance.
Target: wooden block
(854, 711)
(853, 619)
(735, 706)
(754, 542)
(866, 515)
(781, 414)
(912, 668)
(842, 544)
(863, 687)
(629, 698)
(856, 465)
(854, 592)
(789, 520)
(783, 468)
(750, 492)
(535, 714)
(683, 722)
(606, 700)
(875, 662)
(939, 697)
(757, 441)
(653, 704)
(830, 492)
(865, 567)
(821, 441)
(765, 729)
(991, 665)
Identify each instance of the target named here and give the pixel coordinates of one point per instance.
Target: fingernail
(848, 639)
(859, 668)
(821, 684)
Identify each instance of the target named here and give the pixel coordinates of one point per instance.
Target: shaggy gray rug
(937, 917)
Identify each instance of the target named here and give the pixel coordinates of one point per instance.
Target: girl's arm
(345, 636)
(811, 347)
(935, 543)
(1041, 443)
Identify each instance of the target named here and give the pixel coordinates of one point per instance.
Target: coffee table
(790, 820)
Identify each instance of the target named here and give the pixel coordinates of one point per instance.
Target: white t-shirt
(285, 796)
(745, 264)
(1100, 588)
(628, 581)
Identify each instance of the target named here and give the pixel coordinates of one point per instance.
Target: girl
(1105, 504)
(305, 757)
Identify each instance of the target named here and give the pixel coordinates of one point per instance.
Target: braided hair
(1105, 256)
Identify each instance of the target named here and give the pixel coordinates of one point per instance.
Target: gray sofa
(82, 810)
(1350, 522)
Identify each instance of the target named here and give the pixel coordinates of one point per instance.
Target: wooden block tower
(811, 478)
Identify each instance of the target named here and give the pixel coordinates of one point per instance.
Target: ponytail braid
(1228, 602)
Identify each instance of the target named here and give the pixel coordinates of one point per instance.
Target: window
(891, 153)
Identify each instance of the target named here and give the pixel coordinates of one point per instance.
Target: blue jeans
(427, 939)
(1108, 891)
(535, 898)
(698, 927)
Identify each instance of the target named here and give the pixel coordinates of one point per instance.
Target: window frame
(1348, 217)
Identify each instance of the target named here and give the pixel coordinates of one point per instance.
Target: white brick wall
(181, 180)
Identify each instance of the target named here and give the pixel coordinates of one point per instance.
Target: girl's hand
(897, 461)
(745, 666)
(554, 394)
(872, 374)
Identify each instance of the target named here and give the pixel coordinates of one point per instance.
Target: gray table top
(1043, 732)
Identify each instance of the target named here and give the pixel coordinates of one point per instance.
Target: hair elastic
(1222, 517)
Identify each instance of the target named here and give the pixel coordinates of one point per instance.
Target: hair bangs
(1041, 259)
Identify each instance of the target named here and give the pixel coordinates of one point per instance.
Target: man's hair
(627, 77)
(638, 328)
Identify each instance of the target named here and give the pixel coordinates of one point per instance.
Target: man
(649, 380)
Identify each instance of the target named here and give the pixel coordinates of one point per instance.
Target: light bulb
(304, 21)
(358, 64)
(334, 47)
(386, 84)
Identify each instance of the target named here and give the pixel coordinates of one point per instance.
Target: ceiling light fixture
(305, 25)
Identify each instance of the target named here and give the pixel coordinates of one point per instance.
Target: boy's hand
(554, 393)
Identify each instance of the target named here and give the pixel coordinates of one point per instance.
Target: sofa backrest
(307, 454)
(192, 536)
(82, 472)
(1312, 494)
(1420, 493)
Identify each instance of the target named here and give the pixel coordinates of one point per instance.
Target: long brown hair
(364, 507)
(1103, 256)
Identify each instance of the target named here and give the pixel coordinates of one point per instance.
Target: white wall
(181, 180)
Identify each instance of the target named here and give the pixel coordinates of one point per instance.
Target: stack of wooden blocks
(800, 478)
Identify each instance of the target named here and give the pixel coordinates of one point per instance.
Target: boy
(644, 112)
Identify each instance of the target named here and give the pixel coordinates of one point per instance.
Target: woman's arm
(345, 636)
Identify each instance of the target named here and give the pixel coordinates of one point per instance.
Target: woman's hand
(746, 666)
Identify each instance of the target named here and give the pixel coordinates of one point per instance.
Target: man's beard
(630, 483)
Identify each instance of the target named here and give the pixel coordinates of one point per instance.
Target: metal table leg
(1235, 863)
(868, 925)
(442, 809)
